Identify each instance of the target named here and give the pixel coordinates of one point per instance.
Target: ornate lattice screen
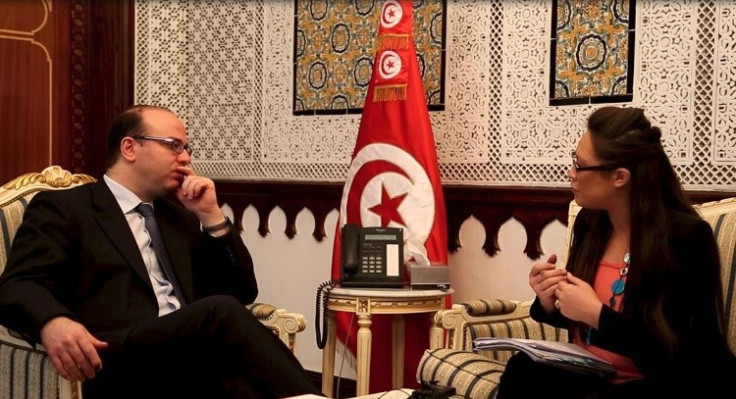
(226, 67)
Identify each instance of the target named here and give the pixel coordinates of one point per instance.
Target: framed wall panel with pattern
(334, 50)
(592, 51)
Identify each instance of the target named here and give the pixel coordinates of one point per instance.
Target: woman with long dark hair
(642, 284)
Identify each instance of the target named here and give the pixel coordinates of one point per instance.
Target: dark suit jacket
(75, 255)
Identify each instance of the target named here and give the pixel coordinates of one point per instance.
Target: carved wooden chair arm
(284, 324)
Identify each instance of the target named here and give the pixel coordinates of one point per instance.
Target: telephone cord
(323, 297)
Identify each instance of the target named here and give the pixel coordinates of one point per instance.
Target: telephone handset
(371, 257)
(350, 242)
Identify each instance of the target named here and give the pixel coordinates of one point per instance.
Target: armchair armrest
(489, 318)
(28, 369)
(459, 320)
(477, 374)
(284, 324)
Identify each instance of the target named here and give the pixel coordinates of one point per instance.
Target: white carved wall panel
(226, 67)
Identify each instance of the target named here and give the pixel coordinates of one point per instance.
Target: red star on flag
(388, 209)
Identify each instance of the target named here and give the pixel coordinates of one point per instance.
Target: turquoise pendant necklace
(618, 286)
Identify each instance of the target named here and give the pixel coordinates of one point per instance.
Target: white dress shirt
(162, 287)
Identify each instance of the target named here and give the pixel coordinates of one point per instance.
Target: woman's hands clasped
(543, 278)
(556, 288)
(578, 301)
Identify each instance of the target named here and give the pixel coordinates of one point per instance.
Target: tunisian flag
(394, 180)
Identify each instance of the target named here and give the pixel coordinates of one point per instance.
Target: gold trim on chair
(53, 176)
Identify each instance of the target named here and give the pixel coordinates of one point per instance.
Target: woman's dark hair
(624, 137)
(127, 123)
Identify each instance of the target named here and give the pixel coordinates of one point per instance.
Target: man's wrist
(224, 225)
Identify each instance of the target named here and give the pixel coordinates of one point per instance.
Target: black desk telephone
(372, 257)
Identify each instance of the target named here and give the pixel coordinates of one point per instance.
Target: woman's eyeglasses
(579, 168)
(174, 144)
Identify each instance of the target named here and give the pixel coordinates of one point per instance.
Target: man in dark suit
(87, 277)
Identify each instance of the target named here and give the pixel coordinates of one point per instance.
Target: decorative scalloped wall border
(534, 208)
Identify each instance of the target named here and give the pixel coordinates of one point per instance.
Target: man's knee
(219, 303)
(224, 309)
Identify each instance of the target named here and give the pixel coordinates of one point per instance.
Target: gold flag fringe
(389, 93)
(393, 41)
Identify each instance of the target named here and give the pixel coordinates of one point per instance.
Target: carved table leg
(364, 354)
(397, 344)
(328, 355)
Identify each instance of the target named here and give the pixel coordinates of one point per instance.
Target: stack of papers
(559, 354)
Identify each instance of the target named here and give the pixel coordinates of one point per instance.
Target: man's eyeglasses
(175, 144)
(579, 168)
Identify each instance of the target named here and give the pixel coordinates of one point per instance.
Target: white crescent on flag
(391, 13)
(405, 177)
(389, 64)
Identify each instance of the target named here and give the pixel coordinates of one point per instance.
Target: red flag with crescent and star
(394, 181)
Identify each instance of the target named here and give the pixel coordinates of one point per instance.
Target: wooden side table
(365, 302)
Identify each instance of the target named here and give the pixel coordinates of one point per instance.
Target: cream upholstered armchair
(451, 362)
(25, 370)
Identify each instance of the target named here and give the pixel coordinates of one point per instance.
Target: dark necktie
(146, 210)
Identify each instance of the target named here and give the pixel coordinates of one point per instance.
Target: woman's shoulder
(682, 222)
(688, 227)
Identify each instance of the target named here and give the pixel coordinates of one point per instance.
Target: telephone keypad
(372, 259)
